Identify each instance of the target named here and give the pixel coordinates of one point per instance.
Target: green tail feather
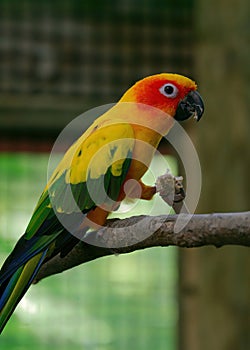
(17, 287)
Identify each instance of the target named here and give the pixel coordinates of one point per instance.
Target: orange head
(174, 94)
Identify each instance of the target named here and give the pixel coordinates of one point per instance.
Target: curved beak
(191, 106)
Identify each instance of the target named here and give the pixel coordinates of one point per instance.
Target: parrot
(115, 149)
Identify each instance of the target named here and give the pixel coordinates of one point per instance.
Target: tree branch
(142, 232)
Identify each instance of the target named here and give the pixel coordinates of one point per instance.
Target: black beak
(191, 106)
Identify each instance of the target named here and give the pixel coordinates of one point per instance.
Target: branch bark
(142, 232)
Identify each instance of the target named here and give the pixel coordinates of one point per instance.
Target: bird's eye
(169, 90)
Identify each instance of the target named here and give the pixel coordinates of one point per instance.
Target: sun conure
(117, 147)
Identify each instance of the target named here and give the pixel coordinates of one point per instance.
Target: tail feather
(16, 286)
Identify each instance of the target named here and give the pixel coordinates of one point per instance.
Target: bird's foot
(170, 188)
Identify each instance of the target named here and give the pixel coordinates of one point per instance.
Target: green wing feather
(95, 164)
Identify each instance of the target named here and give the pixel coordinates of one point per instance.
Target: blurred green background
(119, 302)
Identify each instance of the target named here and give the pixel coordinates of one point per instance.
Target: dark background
(60, 58)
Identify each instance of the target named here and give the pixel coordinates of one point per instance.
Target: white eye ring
(169, 90)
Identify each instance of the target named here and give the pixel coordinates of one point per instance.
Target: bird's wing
(90, 174)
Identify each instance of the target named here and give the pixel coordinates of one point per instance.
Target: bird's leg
(169, 187)
(137, 189)
(147, 192)
(95, 219)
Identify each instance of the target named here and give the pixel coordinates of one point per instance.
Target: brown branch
(142, 232)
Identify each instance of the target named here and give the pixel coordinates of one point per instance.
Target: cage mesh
(71, 55)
